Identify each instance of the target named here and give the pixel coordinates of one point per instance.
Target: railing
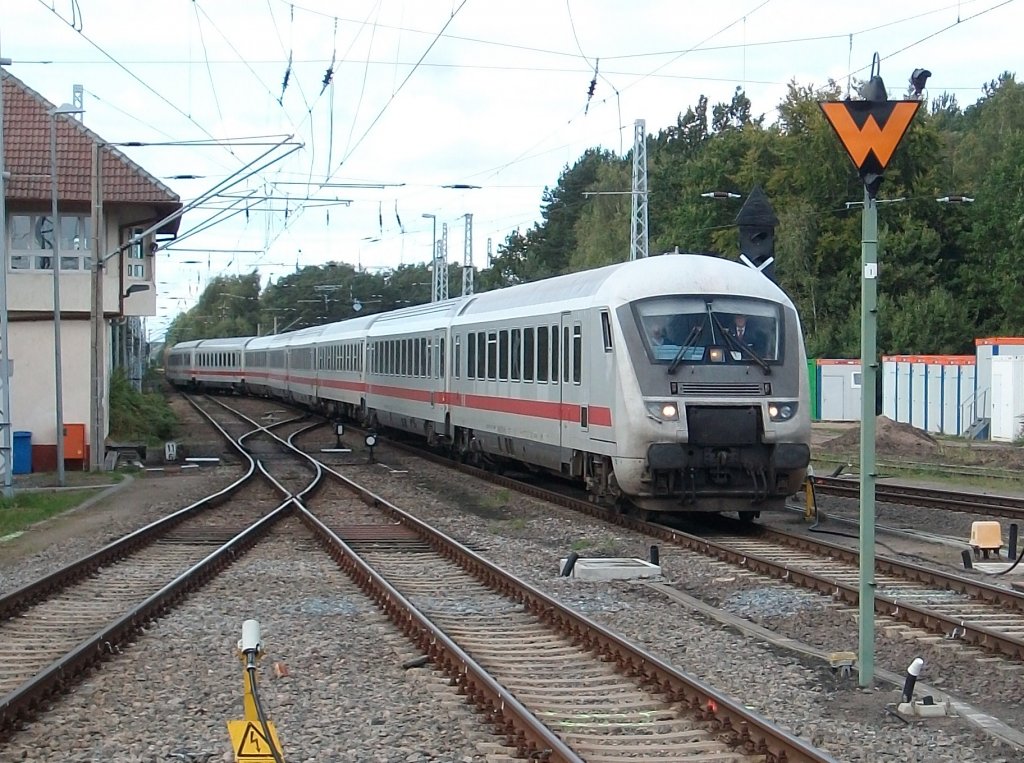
(973, 411)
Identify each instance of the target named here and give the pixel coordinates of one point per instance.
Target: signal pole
(870, 130)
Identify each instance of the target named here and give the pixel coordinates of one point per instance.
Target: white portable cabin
(1007, 372)
(839, 382)
(987, 349)
(931, 392)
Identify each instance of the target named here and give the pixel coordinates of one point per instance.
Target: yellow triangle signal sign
(250, 742)
(870, 130)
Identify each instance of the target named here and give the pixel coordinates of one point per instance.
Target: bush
(138, 415)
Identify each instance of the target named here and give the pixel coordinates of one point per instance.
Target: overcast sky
(432, 93)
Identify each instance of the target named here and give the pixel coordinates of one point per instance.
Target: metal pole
(97, 337)
(433, 255)
(6, 424)
(55, 245)
(868, 368)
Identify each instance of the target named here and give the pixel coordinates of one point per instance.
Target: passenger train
(628, 378)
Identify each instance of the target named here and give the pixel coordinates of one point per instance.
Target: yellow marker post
(253, 740)
(812, 504)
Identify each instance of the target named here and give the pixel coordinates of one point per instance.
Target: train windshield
(710, 330)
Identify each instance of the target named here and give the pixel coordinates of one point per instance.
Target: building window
(135, 267)
(32, 242)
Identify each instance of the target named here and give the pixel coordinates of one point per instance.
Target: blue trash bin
(22, 453)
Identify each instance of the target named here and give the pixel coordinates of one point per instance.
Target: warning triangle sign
(870, 131)
(250, 742)
(254, 743)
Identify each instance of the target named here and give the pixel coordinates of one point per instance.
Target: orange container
(74, 442)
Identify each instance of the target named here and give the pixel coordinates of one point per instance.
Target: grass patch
(499, 499)
(134, 415)
(26, 509)
(581, 544)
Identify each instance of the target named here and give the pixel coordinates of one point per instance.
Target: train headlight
(716, 354)
(663, 411)
(781, 411)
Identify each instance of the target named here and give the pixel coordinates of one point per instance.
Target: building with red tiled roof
(130, 201)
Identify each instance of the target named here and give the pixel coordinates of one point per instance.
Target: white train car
(265, 365)
(217, 363)
(179, 365)
(629, 378)
(341, 381)
(300, 359)
(407, 377)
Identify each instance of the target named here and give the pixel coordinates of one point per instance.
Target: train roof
(660, 275)
(226, 343)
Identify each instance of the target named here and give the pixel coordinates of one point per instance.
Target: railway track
(502, 640)
(972, 503)
(508, 636)
(952, 606)
(54, 630)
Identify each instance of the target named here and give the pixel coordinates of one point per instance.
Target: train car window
(417, 358)
(606, 330)
(481, 355)
(554, 354)
(425, 369)
(457, 359)
(492, 355)
(470, 357)
(517, 354)
(566, 353)
(528, 354)
(577, 353)
(441, 358)
(543, 350)
(503, 355)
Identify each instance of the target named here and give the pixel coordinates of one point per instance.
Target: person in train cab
(747, 334)
(658, 334)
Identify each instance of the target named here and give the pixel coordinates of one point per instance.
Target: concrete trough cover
(993, 567)
(611, 568)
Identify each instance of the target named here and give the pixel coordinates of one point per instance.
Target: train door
(439, 381)
(573, 409)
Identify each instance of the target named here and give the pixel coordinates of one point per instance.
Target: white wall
(33, 399)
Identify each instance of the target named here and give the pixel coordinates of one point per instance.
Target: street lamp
(55, 246)
(6, 451)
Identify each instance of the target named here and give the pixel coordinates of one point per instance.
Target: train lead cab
(722, 377)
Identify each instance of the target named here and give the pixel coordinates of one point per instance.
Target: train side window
(577, 353)
(554, 355)
(417, 357)
(457, 360)
(470, 356)
(566, 354)
(492, 355)
(441, 357)
(543, 357)
(528, 354)
(481, 355)
(606, 330)
(425, 354)
(517, 355)
(503, 355)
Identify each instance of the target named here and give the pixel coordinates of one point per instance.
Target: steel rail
(951, 500)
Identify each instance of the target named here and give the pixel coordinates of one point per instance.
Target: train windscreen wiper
(688, 343)
(743, 349)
